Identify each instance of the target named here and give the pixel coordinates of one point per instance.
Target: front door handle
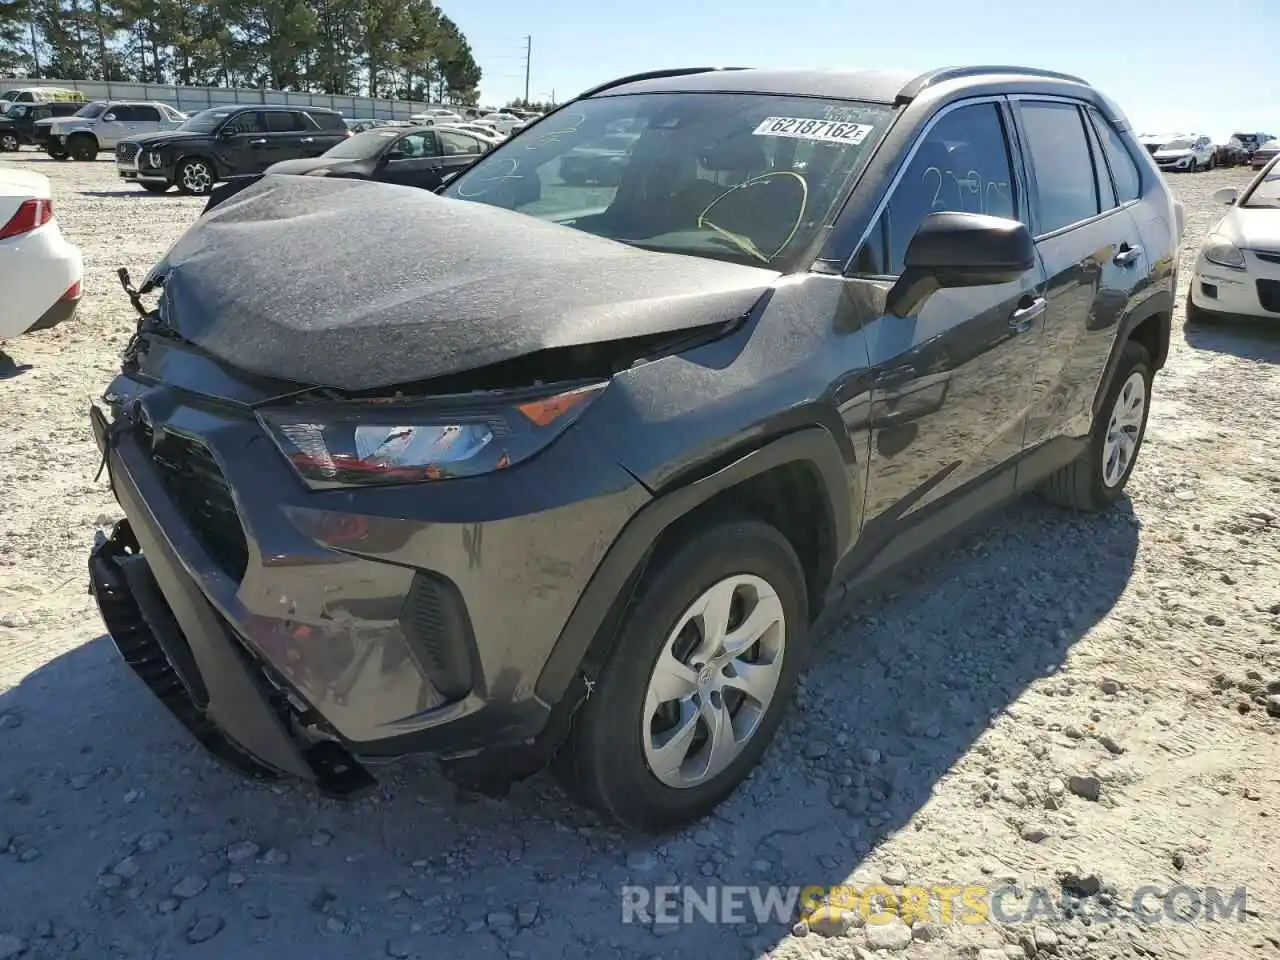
(895, 377)
(257, 143)
(307, 140)
(1023, 317)
(1127, 255)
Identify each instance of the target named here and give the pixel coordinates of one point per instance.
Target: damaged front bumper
(177, 643)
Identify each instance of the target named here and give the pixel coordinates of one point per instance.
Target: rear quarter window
(1124, 170)
(329, 121)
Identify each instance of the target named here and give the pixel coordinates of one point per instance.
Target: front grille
(192, 477)
(127, 151)
(1269, 295)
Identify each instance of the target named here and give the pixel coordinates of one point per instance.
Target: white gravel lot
(936, 738)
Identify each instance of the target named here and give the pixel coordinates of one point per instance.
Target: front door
(146, 119)
(458, 151)
(1083, 185)
(413, 161)
(113, 126)
(951, 385)
(242, 144)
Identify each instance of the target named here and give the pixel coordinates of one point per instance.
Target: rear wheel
(9, 142)
(83, 146)
(1097, 477)
(195, 177)
(698, 680)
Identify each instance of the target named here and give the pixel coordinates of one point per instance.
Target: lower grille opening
(192, 478)
(436, 628)
(1269, 295)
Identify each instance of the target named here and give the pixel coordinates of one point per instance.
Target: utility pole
(528, 60)
(35, 48)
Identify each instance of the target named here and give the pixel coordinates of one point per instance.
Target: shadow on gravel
(144, 194)
(902, 682)
(11, 368)
(1250, 338)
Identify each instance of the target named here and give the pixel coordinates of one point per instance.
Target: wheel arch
(84, 135)
(798, 482)
(1151, 326)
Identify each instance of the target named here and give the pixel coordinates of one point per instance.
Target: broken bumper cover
(175, 641)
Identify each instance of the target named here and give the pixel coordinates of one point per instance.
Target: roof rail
(917, 85)
(652, 75)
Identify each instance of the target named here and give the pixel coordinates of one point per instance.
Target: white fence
(191, 99)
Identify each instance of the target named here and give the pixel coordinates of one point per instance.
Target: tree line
(403, 49)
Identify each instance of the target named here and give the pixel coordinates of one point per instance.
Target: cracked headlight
(367, 442)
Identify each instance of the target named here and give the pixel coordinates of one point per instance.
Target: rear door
(146, 119)
(1092, 252)
(413, 160)
(286, 131)
(951, 385)
(458, 150)
(330, 130)
(113, 125)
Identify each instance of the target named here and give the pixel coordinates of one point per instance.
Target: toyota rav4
(566, 476)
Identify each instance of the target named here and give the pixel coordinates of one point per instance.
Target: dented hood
(359, 285)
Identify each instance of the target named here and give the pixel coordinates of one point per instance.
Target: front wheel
(83, 147)
(9, 142)
(57, 154)
(155, 187)
(1097, 477)
(195, 177)
(699, 678)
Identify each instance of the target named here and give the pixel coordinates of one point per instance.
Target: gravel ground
(1058, 701)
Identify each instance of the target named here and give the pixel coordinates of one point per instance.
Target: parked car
(434, 115)
(1264, 154)
(18, 124)
(102, 124)
(1230, 154)
(1185, 154)
(1252, 141)
(227, 142)
(417, 157)
(40, 272)
(38, 95)
(485, 133)
(601, 161)
(1237, 269)
(504, 123)
(677, 410)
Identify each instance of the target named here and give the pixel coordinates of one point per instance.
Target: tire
(82, 146)
(1083, 483)
(57, 154)
(195, 177)
(154, 187)
(9, 142)
(604, 762)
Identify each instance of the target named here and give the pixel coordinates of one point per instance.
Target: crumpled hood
(358, 285)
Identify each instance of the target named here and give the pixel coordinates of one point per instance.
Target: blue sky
(1171, 65)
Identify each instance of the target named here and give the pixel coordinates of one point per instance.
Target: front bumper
(433, 647)
(1251, 292)
(1178, 164)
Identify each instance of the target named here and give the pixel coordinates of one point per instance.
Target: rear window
(328, 121)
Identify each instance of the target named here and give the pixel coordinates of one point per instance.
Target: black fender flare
(1159, 304)
(609, 589)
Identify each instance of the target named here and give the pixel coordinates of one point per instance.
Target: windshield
(749, 178)
(1177, 145)
(16, 111)
(206, 121)
(1265, 194)
(362, 146)
(91, 110)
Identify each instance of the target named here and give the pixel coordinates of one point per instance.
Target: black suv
(568, 472)
(18, 123)
(225, 142)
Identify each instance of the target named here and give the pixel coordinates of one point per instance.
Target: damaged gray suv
(543, 471)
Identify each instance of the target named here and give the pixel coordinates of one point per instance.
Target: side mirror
(1226, 195)
(109, 118)
(960, 250)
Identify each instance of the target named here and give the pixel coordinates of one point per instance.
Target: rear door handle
(257, 143)
(308, 140)
(1023, 317)
(895, 377)
(1127, 255)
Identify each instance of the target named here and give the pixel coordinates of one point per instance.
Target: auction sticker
(801, 128)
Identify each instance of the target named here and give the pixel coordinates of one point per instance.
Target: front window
(91, 111)
(206, 121)
(362, 146)
(17, 111)
(750, 178)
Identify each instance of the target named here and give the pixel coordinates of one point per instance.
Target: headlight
(391, 441)
(154, 159)
(317, 172)
(1223, 252)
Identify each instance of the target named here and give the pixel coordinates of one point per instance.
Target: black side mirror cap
(960, 250)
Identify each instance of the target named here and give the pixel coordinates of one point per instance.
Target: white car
(504, 123)
(101, 125)
(40, 272)
(433, 115)
(1184, 154)
(1237, 269)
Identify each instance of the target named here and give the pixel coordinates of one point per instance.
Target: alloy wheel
(197, 178)
(8, 143)
(713, 681)
(1124, 429)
